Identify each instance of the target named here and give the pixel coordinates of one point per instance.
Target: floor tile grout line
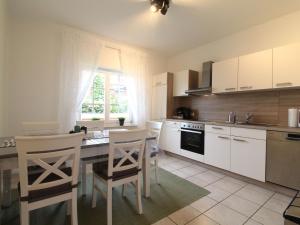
(220, 203)
(251, 217)
(231, 194)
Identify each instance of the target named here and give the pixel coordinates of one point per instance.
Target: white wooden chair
(28, 129)
(124, 166)
(92, 125)
(40, 128)
(55, 183)
(153, 129)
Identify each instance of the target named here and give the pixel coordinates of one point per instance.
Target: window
(107, 97)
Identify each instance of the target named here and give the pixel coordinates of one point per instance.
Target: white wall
(3, 21)
(33, 72)
(276, 32)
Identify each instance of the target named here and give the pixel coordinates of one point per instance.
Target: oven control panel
(194, 126)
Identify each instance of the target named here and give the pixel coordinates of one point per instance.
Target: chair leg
(156, 170)
(124, 189)
(24, 214)
(94, 197)
(69, 207)
(83, 178)
(139, 195)
(74, 207)
(109, 202)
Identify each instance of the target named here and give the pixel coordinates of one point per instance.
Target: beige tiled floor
(231, 201)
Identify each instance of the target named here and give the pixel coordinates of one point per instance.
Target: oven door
(192, 140)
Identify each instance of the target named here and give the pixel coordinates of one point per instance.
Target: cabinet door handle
(217, 128)
(223, 137)
(284, 84)
(246, 87)
(229, 89)
(240, 140)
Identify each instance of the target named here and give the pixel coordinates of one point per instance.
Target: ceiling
(188, 23)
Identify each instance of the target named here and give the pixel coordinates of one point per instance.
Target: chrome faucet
(248, 116)
(231, 117)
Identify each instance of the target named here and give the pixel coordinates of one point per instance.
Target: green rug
(172, 194)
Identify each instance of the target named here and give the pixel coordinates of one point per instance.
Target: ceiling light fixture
(160, 5)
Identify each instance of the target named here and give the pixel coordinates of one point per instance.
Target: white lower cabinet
(248, 157)
(170, 137)
(217, 150)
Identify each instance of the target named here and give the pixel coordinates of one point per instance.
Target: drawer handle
(285, 84)
(229, 89)
(246, 87)
(217, 128)
(223, 137)
(240, 140)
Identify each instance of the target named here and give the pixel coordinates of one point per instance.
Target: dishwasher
(283, 159)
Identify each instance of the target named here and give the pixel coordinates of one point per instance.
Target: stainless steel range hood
(205, 86)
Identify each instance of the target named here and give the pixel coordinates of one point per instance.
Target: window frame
(107, 119)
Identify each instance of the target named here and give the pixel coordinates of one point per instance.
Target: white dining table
(90, 147)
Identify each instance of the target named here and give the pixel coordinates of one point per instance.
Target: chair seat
(292, 213)
(154, 150)
(95, 158)
(153, 154)
(38, 195)
(101, 169)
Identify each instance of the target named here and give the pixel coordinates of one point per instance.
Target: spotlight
(154, 8)
(164, 9)
(160, 5)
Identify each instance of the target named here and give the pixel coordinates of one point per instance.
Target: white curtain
(80, 54)
(135, 65)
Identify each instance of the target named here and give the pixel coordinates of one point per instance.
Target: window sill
(117, 126)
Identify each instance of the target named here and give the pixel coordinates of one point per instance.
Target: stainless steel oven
(192, 137)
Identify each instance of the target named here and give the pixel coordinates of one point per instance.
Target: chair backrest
(154, 129)
(40, 128)
(48, 153)
(129, 147)
(92, 125)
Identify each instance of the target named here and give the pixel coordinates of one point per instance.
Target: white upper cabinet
(255, 71)
(225, 76)
(286, 66)
(160, 79)
(184, 80)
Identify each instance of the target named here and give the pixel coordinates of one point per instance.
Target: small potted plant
(121, 121)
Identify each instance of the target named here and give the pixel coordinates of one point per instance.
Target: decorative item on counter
(293, 117)
(121, 121)
(84, 128)
(77, 129)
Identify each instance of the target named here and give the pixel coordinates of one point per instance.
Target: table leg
(146, 171)
(6, 200)
(83, 178)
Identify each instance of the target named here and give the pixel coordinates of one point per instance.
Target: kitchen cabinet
(162, 88)
(225, 76)
(217, 150)
(248, 154)
(170, 137)
(255, 71)
(184, 80)
(286, 66)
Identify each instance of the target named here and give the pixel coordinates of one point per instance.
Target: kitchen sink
(256, 124)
